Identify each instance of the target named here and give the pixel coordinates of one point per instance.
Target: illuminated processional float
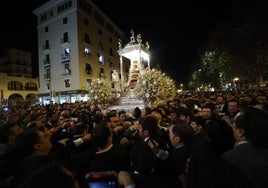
(139, 56)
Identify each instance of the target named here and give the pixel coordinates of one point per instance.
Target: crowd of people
(196, 140)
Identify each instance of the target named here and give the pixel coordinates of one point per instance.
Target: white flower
(100, 91)
(155, 86)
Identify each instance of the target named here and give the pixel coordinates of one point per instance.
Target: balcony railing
(66, 72)
(46, 62)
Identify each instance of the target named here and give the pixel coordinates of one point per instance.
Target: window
(64, 6)
(101, 59)
(88, 82)
(64, 20)
(18, 62)
(65, 38)
(46, 44)
(86, 22)
(18, 69)
(66, 53)
(87, 38)
(88, 69)
(87, 51)
(47, 74)
(48, 85)
(46, 29)
(111, 52)
(67, 83)
(111, 63)
(67, 66)
(47, 60)
(15, 85)
(51, 13)
(110, 28)
(100, 31)
(101, 46)
(31, 86)
(43, 17)
(102, 75)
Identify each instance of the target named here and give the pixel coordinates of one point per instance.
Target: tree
(243, 35)
(213, 71)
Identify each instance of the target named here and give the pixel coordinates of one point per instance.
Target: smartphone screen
(102, 184)
(106, 179)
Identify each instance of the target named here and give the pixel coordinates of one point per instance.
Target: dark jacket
(252, 160)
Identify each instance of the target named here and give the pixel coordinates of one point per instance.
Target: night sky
(175, 30)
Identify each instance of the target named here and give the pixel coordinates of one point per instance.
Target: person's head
(136, 113)
(102, 137)
(52, 117)
(8, 132)
(148, 126)
(122, 115)
(50, 175)
(220, 99)
(233, 106)
(180, 134)
(112, 120)
(65, 114)
(80, 129)
(197, 123)
(207, 111)
(146, 110)
(158, 114)
(142, 158)
(83, 118)
(33, 141)
(184, 114)
(173, 115)
(98, 120)
(251, 124)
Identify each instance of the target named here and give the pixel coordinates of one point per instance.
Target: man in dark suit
(181, 136)
(143, 162)
(33, 149)
(110, 155)
(250, 152)
(222, 105)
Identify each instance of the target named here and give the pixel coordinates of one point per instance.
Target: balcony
(66, 72)
(102, 75)
(65, 40)
(46, 76)
(88, 71)
(46, 63)
(65, 59)
(46, 47)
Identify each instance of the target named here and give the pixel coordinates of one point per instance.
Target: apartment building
(77, 43)
(17, 86)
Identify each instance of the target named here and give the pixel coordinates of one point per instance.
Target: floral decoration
(100, 91)
(154, 87)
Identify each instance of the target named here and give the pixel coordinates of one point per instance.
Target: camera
(103, 179)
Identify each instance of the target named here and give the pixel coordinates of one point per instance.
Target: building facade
(17, 87)
(77, 43)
